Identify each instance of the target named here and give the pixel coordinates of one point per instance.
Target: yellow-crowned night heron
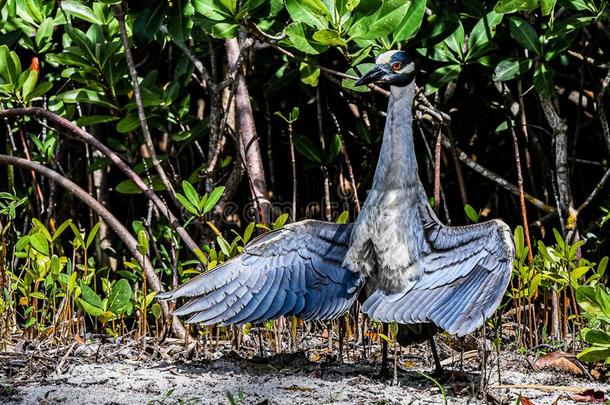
(414, 270)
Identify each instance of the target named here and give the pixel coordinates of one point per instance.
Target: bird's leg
(384, 351)
(438, 368)
(341, 336)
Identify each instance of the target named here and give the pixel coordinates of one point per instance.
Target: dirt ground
(113, 374)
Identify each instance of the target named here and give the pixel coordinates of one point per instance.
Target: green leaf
(86, 96)
(334, 149)
(294, 114)
(482, 34)
(213, 199)
(306, 148)
(92, 234)
(547, 6)
(594, 354)
(129, 123)
(148, 22)
(30, 83)
(361, 70)
(90, 296)
(280, 221)
(81, 11)
(61, 229)
(180, 22)
(471, 213)
(129, 187)
(119, 296)
(442, 76)
(187, 204)
(211, 10)
(309, 74)
(89, 120)
(91, 309)
(343, 218)
(44, 32)
(82, 41)
(40, 90)
(77, 233)
(511, 6)
(248, 232)
(297, 34)
(143, 245)
(309, 12)
(37, 294)
(155, 309)
(33, 10)
(386, 20)
(190, 192)
(224, 30)
(511, 68)
(543, 81)
(224, 246)
(411, 22)
(329, 37)
(40, 243)
(524, 34)
(9, 71)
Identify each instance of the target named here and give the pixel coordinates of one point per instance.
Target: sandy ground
(281, 379)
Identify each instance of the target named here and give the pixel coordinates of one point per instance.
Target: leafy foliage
(68, 57)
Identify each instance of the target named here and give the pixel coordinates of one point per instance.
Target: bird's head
(393, 67)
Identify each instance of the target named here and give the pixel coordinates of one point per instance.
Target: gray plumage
(296, 270)
(414, 269)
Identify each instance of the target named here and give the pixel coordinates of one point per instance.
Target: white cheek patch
(408, 69)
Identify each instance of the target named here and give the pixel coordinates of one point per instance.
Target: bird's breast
(388, 239)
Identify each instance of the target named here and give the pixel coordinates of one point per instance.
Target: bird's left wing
(296, 270)
(466, 271)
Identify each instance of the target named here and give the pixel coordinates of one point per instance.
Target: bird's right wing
(296, 270)
(465, 273)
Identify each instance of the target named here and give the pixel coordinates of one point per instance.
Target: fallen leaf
(560, 361)
(589, 396)
(525, 401)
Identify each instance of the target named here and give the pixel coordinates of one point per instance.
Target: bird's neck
(397, 165)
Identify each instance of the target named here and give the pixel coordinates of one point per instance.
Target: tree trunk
(248, 139)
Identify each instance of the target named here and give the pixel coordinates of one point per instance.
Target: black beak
(371, 76)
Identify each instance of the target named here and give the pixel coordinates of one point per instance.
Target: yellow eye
(396, 66)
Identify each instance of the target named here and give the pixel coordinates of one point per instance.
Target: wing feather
(466, 271)
(297, 270)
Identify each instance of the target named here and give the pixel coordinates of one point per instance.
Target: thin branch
(64, 124)
(293, 167)
(496, 178)
(116, 225)
(507, 99)
(560, 135)
(599, 187)
(348, 163)
(437, 169)
(601, 111)
(133, 73)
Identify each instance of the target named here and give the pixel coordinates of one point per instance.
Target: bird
(406, 265)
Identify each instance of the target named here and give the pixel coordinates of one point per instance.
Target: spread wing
(296, 270)
(466, 271)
